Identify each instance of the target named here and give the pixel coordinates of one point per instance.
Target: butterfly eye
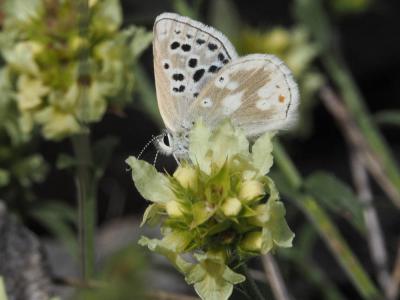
(165, 140)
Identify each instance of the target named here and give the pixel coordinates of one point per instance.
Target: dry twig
(274, 278)
(363, 158)
(357, 140)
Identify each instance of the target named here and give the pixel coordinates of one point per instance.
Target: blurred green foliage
(46, 44)
(122, 277)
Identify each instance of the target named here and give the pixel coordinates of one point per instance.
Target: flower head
(219, 207)
(66, 77)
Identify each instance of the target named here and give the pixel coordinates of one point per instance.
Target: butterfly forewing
(187, 55)
(257, 92)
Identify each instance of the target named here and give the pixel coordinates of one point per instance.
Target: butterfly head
(176, 144)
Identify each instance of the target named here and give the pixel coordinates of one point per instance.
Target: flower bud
(252, 241)
(217, 254)
(261, 217)
(174, 209)
(231, 207)
(250, 190)
(187, 177)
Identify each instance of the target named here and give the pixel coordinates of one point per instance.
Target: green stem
(325, 227)
(250, 285)
(86, 194)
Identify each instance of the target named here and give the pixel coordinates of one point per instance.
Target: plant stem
(250, 284)
(325, 226)
(86, 194)
(355, 103)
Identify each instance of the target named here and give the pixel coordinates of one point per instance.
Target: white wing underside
(187, 54)
(257, 92)
(198, 75)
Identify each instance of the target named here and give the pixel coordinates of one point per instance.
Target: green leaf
(22, 11)
(108, 14)
(230, 24)
(66, 161)
(163, 249)
(212, 279)
(277, 225)
(152, 185)
(200, 213)
(141, 40)
(3, 295)
(182, 7)
(4, 177)
(177, 240)
(60, 220)
(152, 215)
(388, 117)
(313, 16)
(336, 196)
(262, 153)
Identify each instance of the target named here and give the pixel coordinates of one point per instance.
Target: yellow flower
(251, 190)
(231, 207)
(252, 241)
(56, 123)
(187, 177)
(174, 209)
(30, 92)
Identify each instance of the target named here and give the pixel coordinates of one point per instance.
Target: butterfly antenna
(155, 158)
(149, 143)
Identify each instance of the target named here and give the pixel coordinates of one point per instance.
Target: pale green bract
(3, 295)
(219, 207)
(153, 186)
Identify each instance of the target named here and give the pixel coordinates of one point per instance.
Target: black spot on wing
(212, 46)
(192, 63)
(186, 47)
(178, 77)
(198, 74)
(195, 95)
(180, 89)
(221, 56)
(175, 45)
(200, 41)
(166, 66)
(213, 69)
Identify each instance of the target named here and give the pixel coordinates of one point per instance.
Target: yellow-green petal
(151, 184)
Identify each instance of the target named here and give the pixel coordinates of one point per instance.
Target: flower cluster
(219, 207)
(294, 47)
(67, 62)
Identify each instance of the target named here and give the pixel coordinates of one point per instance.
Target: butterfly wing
(187, 54)
(257, 92)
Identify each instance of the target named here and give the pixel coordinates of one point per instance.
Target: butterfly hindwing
(257, 92)
(187, 54)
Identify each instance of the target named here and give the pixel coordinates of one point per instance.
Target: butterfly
(198, 74)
